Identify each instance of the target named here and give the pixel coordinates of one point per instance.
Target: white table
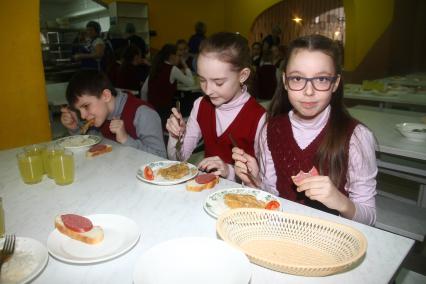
(382, 123)
(415, 80)
(407, 160)
(411, 99)
(107, 184)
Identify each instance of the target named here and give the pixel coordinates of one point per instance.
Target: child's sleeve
(264, 158)
(150, 139)
(361, 175)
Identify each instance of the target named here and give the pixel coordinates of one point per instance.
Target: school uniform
(141, 122)
(242, 117)
(289, 144)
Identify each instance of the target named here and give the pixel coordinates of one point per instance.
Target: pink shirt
(225, 115)
(362, 168)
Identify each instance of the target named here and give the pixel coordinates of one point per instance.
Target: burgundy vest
(289, 159)
(243, 129)
(160, 91)
(128, 115)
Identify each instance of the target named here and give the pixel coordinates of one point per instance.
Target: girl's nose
(309, 89)
(207, 89)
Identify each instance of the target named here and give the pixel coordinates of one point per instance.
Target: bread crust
(94, 236)
(192, 185)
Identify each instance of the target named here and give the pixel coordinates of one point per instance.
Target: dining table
(407, 97)
(108, 184)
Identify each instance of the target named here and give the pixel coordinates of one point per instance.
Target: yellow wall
(366, 21)
(173, 20)
(240, 14)
(24, 113)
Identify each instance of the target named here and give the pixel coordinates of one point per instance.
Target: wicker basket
(292, 243)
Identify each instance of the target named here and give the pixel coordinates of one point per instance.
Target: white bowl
(413, 131)
(78, 143)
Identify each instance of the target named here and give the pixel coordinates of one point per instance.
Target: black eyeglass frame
(332, 80)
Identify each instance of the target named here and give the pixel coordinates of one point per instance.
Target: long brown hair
(164, 54)
(332, 153)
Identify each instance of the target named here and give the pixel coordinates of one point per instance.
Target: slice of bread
(193, 185)
(98, 149)
(94, 236)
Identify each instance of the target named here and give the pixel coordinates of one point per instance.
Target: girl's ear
(244, 74)
(106, 95)
(285, 85)
(336, 83)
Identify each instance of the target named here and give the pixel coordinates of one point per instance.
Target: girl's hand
(117, 127)
(69, 118)
(214, 165)
(322, 189)
(175, 124)
(245, 163)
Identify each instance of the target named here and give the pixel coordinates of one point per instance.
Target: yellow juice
(30, 167)
(34, 150)
(50, 153)
(2, 227)
(63, 168)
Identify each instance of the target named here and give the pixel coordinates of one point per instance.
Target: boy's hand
(69, 118)
(175, 124)
(117, 127)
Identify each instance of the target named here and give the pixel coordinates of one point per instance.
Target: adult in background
(94, 51)
(197, 38)
(256, 54)
(272, 39)
(133, 38)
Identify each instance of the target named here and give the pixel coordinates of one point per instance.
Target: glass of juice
(63, 167)
(38, 149)
(2, 227)
(30, 166)
(51, 151)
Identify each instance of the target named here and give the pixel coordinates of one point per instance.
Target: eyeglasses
(320, 83)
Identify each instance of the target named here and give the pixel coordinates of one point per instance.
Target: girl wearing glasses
(308, 126)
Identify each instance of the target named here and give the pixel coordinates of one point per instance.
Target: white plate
(407, 130)
(192, 261)
(28, 260)
(155, 166)
(79, 142)
(120, 235)
(215, 205)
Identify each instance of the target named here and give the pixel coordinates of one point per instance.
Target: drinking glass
(63, 167)
(37, 149)
(30, 166)
(52, 150)
(2, 227)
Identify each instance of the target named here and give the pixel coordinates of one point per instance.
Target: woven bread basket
(291, 243)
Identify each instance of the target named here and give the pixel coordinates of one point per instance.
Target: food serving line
(107, 184)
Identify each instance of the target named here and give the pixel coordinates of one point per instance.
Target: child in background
(118, 116)
(309, 126)
(182, 51)
(226, 108)
(133, 70)
(161, 85)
